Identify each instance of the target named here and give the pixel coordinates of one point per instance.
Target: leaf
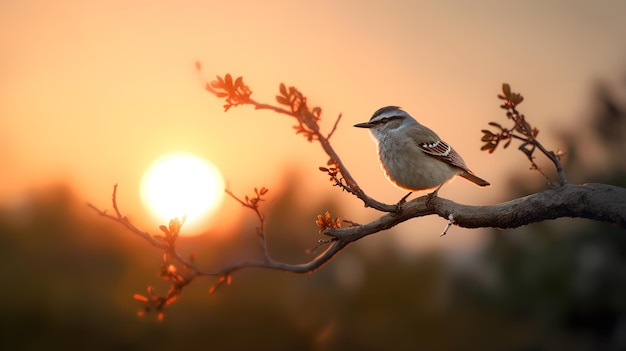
(164, 229)
(281, 100)
(140, 297)
(486, 147)
(198, 65)
(283, 89)
(506, 89)
(217, 85)
(171, 299)
(488, 135)
(228, 80)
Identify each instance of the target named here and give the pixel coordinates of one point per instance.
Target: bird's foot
(434, 193)
(401, 202)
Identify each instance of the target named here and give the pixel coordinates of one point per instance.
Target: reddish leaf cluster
(156, 303)
(235, 91)
(326, 221)
(172, 231)
(521, 129)
(334, 173)
(308, 118)
(253, 202)
(510, 98)
(223, 279)
(169, 271)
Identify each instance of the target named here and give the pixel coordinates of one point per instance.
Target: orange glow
(182, 184)
(93, 91)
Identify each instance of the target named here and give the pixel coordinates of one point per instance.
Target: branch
(237, 93)
(308, 267)
(594, 201)
(523, 131)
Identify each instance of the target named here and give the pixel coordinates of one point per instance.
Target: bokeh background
(92, 92)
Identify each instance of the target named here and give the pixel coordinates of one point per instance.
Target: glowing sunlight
(180, 184)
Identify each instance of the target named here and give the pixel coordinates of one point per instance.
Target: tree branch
(594, 201)
(599, 202)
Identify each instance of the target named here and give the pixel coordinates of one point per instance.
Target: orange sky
(92, 91)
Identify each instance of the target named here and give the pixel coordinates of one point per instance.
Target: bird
(412, 156)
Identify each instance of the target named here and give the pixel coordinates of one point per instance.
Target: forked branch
(593, 201)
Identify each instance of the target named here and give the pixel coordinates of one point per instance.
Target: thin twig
(114, 200)
(555, 160)
(254, 206)
(332, 131)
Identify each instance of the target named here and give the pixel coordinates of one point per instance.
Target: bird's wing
(444, 152)
(440, 150)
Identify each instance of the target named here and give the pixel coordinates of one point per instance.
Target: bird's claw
(398, 209)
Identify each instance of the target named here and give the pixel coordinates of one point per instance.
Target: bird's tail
(474, 179)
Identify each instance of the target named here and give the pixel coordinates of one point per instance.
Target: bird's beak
(364, 125)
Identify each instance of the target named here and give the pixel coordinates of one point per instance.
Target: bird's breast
(408, 167)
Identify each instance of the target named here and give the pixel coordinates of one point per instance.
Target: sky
(92, 92)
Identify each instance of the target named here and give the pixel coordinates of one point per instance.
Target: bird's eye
(384, 120)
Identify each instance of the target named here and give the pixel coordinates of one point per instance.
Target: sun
(182, 184)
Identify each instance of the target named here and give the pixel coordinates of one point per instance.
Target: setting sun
(182, 184)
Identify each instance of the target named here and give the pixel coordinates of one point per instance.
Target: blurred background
(92, 92)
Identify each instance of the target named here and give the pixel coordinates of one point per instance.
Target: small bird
(412, 156)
